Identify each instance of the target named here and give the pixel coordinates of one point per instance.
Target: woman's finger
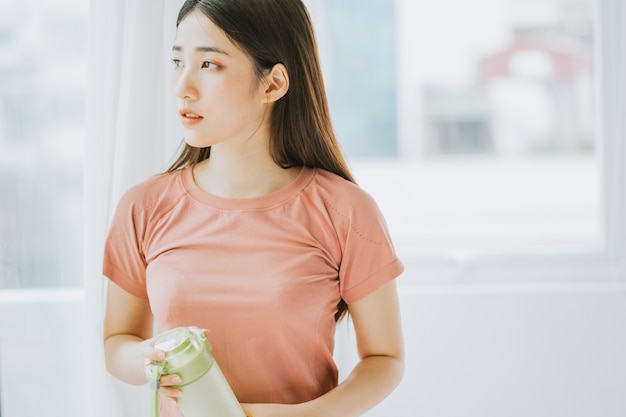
(205, 331)
(148, 369)
(171, 392)
(169, 380)
(149, 352)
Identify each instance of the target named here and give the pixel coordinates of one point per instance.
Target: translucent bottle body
(210, 396)
(206, 392)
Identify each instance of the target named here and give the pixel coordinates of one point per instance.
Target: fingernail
(177, 380)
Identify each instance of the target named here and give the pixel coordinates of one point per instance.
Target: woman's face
(218, 97)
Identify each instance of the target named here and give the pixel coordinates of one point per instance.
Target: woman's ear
(276, 83)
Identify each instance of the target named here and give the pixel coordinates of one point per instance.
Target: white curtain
(131, 134)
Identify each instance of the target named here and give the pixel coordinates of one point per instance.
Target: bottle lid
(187, 352)
(175, 340)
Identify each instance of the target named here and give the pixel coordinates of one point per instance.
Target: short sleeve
(124, 261)
(369, 259)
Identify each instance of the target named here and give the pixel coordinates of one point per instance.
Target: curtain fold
(131, 134)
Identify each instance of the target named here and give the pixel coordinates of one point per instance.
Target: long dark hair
(272, 32)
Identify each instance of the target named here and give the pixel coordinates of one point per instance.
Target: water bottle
(206, 391)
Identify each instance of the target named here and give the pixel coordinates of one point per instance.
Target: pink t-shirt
(263, 274)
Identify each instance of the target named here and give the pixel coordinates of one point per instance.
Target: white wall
(476, 350)
(42, 357)
(510, 350)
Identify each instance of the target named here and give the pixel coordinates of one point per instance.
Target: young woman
(257, 232)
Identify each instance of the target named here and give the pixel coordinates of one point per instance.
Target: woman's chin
(197, 143)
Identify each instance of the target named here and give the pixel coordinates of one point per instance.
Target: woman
(257, 232)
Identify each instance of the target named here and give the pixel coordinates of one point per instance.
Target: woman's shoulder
(340, 191)
(351, 209)
(152, 193)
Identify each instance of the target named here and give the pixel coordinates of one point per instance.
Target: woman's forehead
(197, 30)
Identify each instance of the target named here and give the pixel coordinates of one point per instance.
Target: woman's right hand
(167, 382)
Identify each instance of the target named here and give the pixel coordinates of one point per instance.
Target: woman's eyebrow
(177, 48)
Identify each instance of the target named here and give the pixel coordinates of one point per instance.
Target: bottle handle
(155, 385)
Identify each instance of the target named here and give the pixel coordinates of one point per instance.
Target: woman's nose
(185, 86)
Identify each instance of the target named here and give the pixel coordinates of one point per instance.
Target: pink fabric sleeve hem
(114, 275)
(384, 275)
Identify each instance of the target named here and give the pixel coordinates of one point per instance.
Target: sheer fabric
(131, 135)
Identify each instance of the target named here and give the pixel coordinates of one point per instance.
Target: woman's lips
(189, 118)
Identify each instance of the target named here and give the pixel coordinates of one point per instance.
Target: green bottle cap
(187, 353)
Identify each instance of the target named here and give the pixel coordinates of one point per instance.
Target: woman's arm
(128, 342)
(380, 346)
(127, 324)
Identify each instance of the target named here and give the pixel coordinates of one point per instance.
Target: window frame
(604, 263)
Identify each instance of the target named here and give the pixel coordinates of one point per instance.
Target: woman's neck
(241, 175)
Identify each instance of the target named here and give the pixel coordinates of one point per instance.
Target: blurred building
(535, 96)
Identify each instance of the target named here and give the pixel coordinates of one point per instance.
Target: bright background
(489, 131)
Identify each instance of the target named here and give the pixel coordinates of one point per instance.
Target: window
(43, 56)
(477, 135)
(42, 79)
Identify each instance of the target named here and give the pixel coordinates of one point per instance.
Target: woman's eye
(209, 65)
(177, 63)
